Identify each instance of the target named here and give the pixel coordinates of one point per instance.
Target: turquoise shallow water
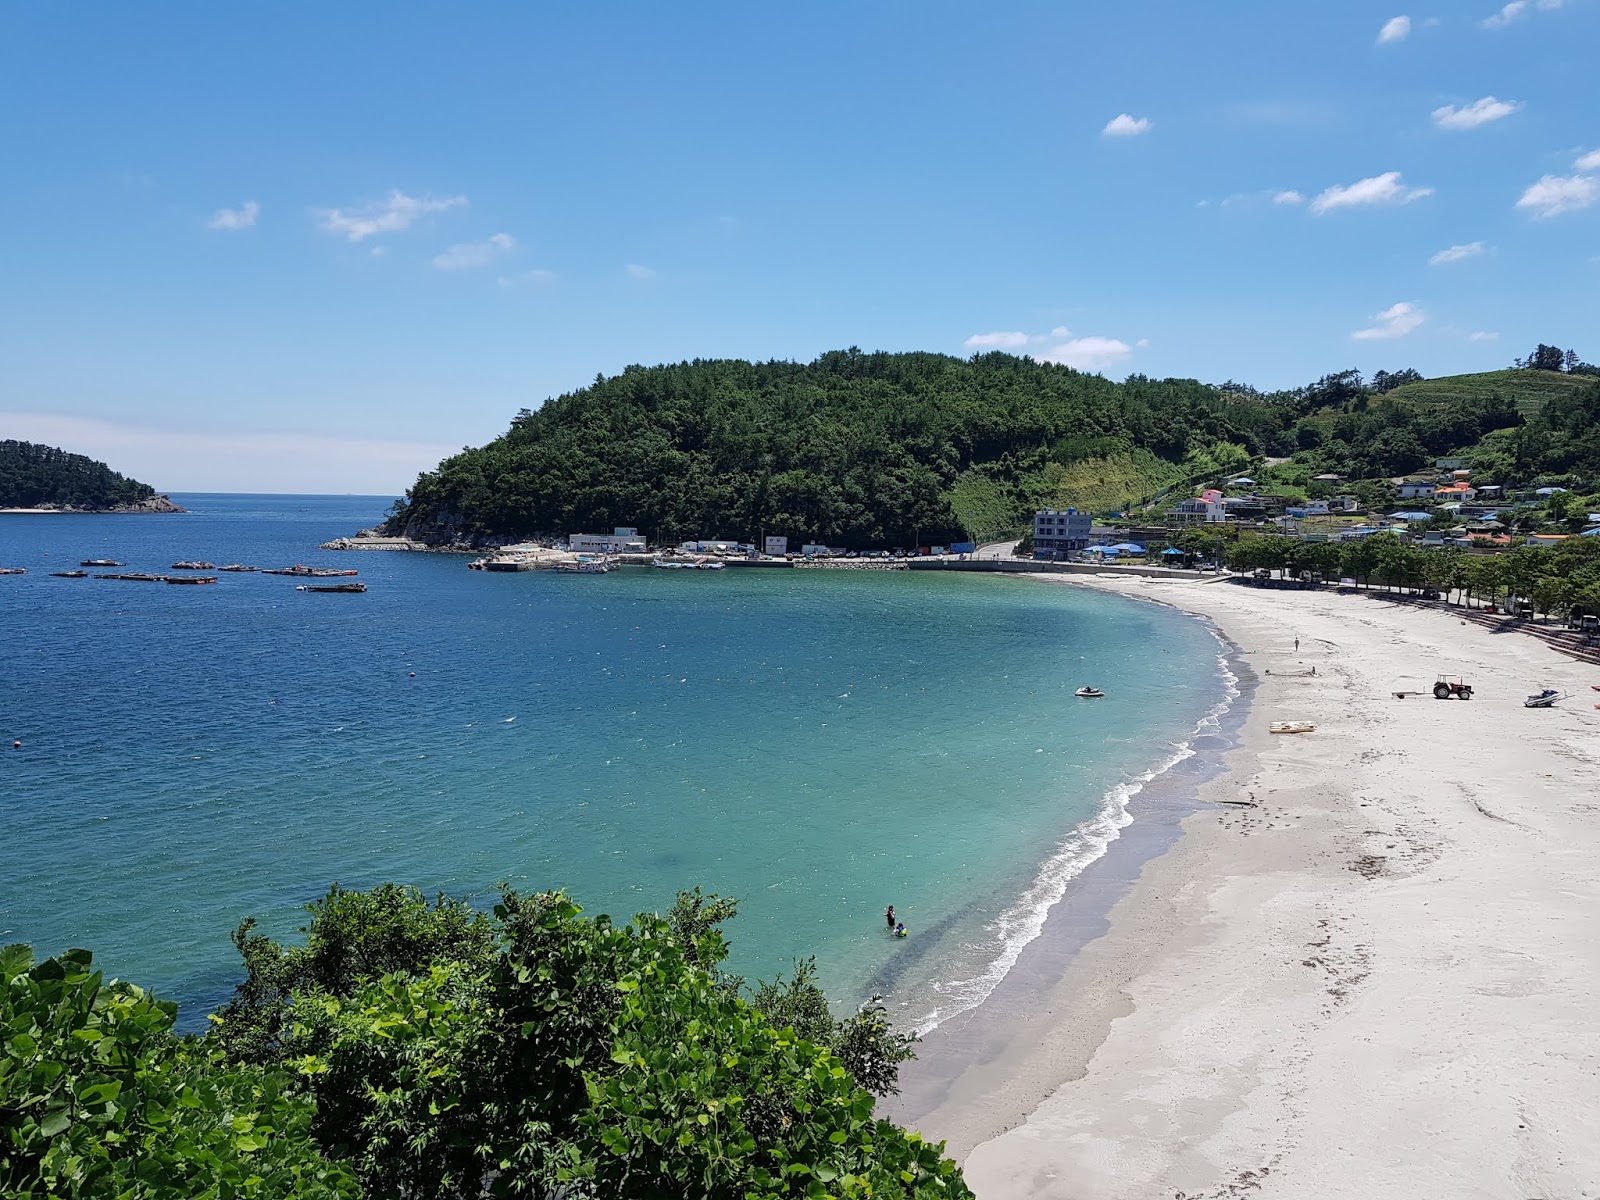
(819, 744)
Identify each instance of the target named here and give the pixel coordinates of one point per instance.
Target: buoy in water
(18, 745)
(413, 674)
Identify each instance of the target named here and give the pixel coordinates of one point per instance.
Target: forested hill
(33, 476)
(854, 449)
(890, 450)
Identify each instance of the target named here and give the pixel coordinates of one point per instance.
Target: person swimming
(900, 930)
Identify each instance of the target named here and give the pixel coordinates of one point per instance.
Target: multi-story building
(1058, 533)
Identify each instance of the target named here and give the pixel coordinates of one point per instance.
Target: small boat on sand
(191, 578)
(1089, 693)
(99, 562)
(332, 587)
(1543, 699)
(69, 574)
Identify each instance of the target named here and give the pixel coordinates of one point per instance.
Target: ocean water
(818, 744)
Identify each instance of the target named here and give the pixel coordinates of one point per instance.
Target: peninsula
(35, 478)
(864, 451)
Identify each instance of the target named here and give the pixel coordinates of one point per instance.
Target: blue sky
(313, 247)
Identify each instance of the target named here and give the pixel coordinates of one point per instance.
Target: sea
(817, 744)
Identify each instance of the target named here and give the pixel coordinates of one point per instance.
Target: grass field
(1530, 389)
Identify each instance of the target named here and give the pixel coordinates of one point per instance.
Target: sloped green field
(1530, 389)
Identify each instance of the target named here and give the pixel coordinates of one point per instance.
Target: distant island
(45, 479)
(875, 450)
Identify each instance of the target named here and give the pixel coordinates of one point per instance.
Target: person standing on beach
(889, 917)
(1297, 645)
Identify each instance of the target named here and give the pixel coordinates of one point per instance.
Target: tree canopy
(418, 1048)
(33, 476)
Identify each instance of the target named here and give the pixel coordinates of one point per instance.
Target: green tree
(98, 1098)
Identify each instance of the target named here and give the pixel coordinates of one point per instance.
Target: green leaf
(55, 1121)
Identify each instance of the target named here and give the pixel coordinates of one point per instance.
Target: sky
(304, 247)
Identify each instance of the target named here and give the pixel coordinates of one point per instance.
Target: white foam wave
(1024, 920)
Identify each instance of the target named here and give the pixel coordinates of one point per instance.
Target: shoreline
(1310, 996)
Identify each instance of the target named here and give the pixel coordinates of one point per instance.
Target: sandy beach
(1376, 977)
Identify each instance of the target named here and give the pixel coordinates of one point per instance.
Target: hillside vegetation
(1527, 390)
(856, 449)
(880, 449)
(33, 476)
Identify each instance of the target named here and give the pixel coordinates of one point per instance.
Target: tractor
(1448, 687)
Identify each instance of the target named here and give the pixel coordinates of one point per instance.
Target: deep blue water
(818, 744)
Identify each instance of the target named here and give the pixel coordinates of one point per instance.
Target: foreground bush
(422, 1049)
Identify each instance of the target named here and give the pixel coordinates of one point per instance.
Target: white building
(619, 541)
(1197, 511)
(1412, 489)
(1058, 533)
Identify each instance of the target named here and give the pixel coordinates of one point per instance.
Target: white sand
(1381, 982)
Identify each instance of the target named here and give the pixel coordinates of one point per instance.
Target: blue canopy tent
(1171, 550)
(1410, 516)
(1128, 548)
(1111, 550)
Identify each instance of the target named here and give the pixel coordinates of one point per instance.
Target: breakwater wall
(1027, 566)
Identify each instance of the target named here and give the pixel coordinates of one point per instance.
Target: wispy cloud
(243, 217)
(1589, 161)
(242, 460)
(1395, 29)
(1088, 353)
(464, 256)
(1513, 12)
(635, 271)
(1471, 116)
(1125, 125)
(395, 214)
(1510, 13)
(1557, 194)
(1393, 322)
(1288, 196)
(1002, 340)
(1457, 253)
(1483, 335)
(1385, 189)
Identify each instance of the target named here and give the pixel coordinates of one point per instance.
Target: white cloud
(1470, 116)
(1510, 13)
(245, 460)
(1393, 322)
(1379, 189)
(1061, 331)
(1589, 161)
(635, 271)
(1556, 194)
(1088, 353)
(1288, 196)
(1483, 336)
(1457, 253)
(1395, 29)
(1124, 125)
(243, 217)
(395, 214)
(466, 255)
(537, 275)
(1003, 340)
